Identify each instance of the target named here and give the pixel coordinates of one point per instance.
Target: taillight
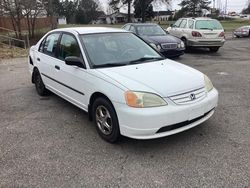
(222, 34)
(196, 34)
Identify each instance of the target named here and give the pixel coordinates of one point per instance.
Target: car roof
(91, 30)
(200, 18)
(136, 24)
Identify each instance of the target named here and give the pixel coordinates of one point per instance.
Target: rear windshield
(208, 24)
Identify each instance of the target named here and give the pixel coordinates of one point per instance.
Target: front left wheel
(106, 120)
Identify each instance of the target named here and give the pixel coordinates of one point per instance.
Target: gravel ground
(47, 142)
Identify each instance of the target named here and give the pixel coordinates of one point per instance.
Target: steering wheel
(128, 51)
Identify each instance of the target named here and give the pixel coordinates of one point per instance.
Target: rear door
(46, 59)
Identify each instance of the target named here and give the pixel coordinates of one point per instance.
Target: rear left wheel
(106, 120)
(40, 87)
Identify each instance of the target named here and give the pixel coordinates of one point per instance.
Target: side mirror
(74, 61)
(171, 25)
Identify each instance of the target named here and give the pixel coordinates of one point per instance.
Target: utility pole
(226, 7)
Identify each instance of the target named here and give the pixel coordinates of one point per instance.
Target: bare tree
(115, 5)
(13, 8)
(31, 9)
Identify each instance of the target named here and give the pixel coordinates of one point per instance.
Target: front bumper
(173, 53)
(206, 42)
(146, 123)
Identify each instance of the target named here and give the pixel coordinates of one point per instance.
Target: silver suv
(199, 32)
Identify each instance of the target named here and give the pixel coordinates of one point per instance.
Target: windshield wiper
(143, 59)
(109, 65)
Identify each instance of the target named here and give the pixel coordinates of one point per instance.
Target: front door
(72, 78)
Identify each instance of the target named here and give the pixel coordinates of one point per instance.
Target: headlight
(143, 100)
(208, 83)
(182, 44)
(157, 47)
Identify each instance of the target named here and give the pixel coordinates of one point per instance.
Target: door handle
(38, 59)
(57, 67)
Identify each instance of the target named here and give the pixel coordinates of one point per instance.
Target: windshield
(117, 49)
(208, 24)
(150, 30)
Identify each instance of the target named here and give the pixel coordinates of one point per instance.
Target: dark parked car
(243, 31)
(157, 37)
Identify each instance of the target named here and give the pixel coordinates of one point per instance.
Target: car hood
(161, 39)
(166, 77)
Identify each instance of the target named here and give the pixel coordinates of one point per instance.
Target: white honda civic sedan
(124, 84)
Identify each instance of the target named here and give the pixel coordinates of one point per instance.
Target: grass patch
(6, 52)
(230, 26)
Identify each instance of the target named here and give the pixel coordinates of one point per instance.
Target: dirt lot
(47, 142)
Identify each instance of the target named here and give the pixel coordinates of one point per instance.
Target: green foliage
(246, 10)
(87, 11)
(193, 7)
(143, 9)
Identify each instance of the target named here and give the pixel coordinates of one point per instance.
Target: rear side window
(208, 24)
(132, 28)
(183, 23)
(190, 24)
(68, 47)
(50, 44)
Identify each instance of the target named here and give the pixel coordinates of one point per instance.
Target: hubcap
(103, 120)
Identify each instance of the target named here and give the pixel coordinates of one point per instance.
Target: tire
(40, 87)
(106, 120)
(214, 49)
(187, 48)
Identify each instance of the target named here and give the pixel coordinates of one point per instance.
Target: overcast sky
(233, 5)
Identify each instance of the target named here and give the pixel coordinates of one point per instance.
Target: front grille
(167, 46)
(189, 97)
(182, 124)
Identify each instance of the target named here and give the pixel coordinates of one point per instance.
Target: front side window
(208, 24)
(116, 49)
(50, 44)
(126, 27)
(68, 47)
(150, 30)
(177, 23)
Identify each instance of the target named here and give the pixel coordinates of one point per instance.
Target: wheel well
(183, 38)
(93, 97)
(35, 69)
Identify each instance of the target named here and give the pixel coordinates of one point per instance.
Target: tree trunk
(28, 24)
(33, 23)
(129, 11)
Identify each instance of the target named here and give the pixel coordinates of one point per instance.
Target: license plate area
(196, 112)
